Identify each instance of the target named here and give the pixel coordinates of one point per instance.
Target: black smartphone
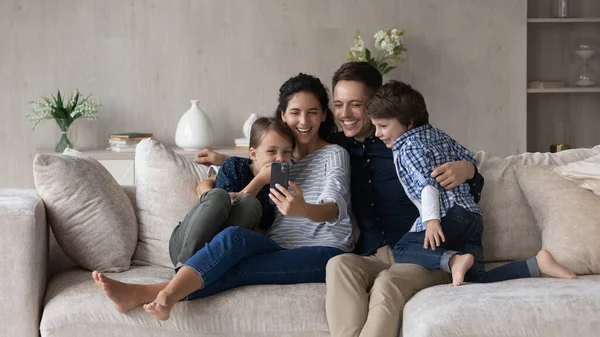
(280, 174)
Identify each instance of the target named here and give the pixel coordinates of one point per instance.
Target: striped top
(323, 176)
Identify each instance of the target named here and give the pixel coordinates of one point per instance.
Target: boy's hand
(434, 236)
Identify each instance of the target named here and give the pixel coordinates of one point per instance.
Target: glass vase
(64, 141)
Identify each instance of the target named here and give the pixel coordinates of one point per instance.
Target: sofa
(45, 291)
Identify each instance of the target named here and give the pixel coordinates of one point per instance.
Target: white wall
(144, 60)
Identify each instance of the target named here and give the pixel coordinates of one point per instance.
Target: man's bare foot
(123, 295)
(160, 307)
(549, 266)
(459, 265)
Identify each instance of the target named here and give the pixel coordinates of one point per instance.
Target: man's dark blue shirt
(379, 204)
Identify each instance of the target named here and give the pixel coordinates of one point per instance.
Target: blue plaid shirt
(416, 153)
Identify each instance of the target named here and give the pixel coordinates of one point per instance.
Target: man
(384, 214)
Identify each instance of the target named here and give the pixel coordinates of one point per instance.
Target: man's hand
(209, 157)
(434, 236)
(453, 173)
(289, 204)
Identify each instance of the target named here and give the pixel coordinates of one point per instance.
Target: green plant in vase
(389, 44)
(64, 110)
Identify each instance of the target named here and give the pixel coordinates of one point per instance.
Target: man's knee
(342, 265)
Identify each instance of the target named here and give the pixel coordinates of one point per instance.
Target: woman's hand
(287, 203)
(434, 236)
(452, 174)
(209, 157)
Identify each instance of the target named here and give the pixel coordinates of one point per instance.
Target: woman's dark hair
(362, 72)
(307, 83)
(398, 100)
(264, 124)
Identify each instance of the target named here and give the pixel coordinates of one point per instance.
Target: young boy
(450, 222)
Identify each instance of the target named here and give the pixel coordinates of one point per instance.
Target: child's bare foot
(160, 307)
(123, 295)
(549, 266)
(459, 265)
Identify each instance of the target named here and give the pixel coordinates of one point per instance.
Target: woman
(311, 225)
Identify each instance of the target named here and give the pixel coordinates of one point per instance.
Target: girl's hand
(287, 203)
(265, 174)
(234, 195)
(434, 236)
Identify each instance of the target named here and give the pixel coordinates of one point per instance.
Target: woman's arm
(295, 205)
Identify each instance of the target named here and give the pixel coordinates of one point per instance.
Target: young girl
(449, 220)
(241, 193)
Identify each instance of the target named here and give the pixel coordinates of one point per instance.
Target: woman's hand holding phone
(289, 204)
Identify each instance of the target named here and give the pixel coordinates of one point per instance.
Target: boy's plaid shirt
(420, 150)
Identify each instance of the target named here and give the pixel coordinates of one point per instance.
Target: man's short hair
(361, 72)
(398, 100)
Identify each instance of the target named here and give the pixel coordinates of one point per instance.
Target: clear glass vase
(64, 141)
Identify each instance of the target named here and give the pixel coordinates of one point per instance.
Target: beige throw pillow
(165, 191)
(92, 218)
(567, 215)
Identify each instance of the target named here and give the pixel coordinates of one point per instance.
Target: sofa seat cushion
(75, 307)
(526, 307)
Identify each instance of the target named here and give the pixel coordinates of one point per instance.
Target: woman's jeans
(463, 231)
(213, 212)
(237, 256)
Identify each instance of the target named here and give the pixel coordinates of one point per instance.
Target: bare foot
(549, 266)
(123, 295)
(160, 307)
(459, 265)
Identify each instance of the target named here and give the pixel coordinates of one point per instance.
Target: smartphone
(280, 174)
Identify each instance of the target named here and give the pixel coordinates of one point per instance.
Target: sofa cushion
(509, 225)
(165, 190)
(527, 307)
(567, 215)
(585, 173)
(91, 217)
(75, 307)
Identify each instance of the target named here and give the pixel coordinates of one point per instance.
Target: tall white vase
(194, 130)
(248, 125)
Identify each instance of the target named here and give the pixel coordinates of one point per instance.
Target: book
(129, 141)
(121, 149)
(130, 135)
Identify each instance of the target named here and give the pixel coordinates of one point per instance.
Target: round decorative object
(248, 125)
(194, 130)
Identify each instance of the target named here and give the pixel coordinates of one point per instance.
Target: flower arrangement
(388, 42)
(64, 110)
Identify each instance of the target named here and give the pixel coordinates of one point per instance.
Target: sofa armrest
(23, 261)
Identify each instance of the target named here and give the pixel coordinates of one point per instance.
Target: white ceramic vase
(248, 125)
(194, 130)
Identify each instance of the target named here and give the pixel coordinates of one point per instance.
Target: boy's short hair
(398, 100)
(362, 72)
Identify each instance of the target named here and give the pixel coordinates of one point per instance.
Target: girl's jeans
(463, 231)
(238, 256)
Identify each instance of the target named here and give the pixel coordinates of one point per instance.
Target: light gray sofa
(43, 292)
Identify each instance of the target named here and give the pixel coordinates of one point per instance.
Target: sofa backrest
(510, 231)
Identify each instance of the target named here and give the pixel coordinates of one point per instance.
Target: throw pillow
(585, 173)
(567, 215)
(91, 217)
(165, 191)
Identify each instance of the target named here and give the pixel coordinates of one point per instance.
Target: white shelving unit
(569, 115)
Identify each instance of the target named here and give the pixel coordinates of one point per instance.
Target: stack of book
(242, 143)
(126, 142)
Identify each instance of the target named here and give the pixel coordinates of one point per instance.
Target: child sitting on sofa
(450, 220)
(240, 196)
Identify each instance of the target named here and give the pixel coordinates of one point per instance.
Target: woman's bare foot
(459, 265)
(160, 307)
(124, 296)
(549, 266)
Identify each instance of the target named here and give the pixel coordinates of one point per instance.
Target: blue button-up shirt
(416, 153)
(381, 207)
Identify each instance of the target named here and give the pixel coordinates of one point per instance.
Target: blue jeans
(238, 256)
(463, 231)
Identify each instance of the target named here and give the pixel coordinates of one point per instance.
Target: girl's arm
(206, 185)
(262, 178)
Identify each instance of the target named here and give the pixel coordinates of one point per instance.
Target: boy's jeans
(463, 231)
(238, 256)
(213, 212)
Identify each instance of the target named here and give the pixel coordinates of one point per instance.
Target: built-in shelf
(562, 90)
(563, 20)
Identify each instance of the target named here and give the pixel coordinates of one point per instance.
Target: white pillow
(92, 218)
(585, 173)
(165, 191)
